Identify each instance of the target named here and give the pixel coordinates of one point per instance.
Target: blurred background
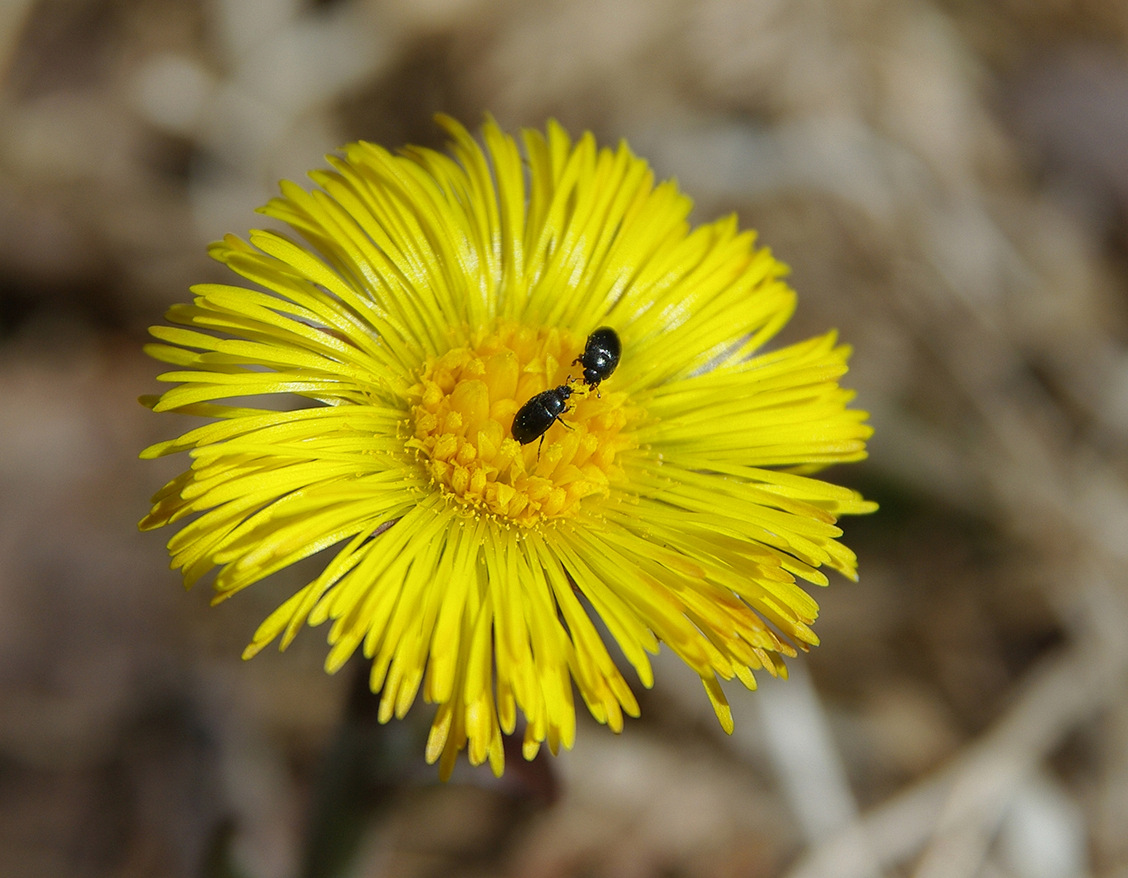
(948, 181)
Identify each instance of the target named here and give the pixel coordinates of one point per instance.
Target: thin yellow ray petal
(720, 703)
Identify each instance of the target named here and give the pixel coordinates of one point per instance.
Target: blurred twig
(13, 15)
(955, 812)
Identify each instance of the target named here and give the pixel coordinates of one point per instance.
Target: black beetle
(535, 417)
(600, 356)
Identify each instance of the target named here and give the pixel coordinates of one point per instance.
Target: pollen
(462, 416)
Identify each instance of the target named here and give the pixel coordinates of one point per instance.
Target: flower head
(362, 388)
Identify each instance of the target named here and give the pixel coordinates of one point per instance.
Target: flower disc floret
(463, 409)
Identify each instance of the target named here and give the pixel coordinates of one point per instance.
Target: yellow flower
(362, 392)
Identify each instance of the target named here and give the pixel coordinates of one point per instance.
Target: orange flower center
(463, 409)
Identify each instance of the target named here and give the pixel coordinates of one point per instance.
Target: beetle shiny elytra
(535, 417)
(600, 356)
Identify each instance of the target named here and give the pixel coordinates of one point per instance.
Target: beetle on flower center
(535, 417)
(601, 355)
